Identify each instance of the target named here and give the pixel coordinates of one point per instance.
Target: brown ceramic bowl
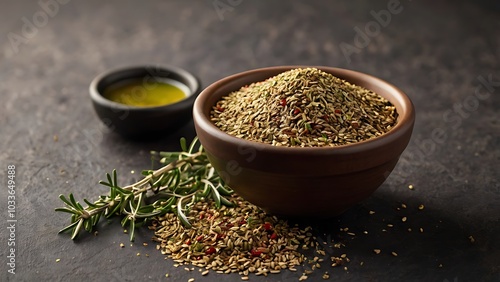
(294, 181)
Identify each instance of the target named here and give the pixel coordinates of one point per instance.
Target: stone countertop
(444, 54)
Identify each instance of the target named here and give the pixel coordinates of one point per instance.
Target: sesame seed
(326, 276)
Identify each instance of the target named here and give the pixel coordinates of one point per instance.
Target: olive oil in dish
(139, 93)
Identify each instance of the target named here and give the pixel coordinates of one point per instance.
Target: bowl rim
(406, 117)
(131, 71)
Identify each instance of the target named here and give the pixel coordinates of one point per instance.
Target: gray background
(436, 51)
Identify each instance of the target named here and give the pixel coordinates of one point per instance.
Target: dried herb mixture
(306, 108)
(241, 239)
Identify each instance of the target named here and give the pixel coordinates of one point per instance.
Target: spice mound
(242, 239)
(304, 108)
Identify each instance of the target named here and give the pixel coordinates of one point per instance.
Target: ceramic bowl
(303, 182)
(139, 122)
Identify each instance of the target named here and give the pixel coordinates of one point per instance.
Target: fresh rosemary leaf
(224, 191)
(91, 205)
(124, 221)
(68, 203)
(77, 229)
(87, 225)
(115, 178)
(69, 227)
(226, 202)
(110, 182)
(216, 197)
(181, 215)
(67, 210)
(183, 145)
(115, 209)
(132, 230)
(96, 219)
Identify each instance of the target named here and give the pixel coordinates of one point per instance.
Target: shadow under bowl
(303, 182)
(144, 122)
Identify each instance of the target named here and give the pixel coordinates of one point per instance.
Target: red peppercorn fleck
(283, 102)
(188, 242)
(338, 111)
(255, 252)
(296, 111)
(273, 236)
(199, 238)
(219, 108)
(210, 250)
(267, 226)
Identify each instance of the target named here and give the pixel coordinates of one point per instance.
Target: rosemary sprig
(186, 177)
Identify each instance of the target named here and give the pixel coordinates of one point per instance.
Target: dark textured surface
(436, 51)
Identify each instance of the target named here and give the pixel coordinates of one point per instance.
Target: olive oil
(138, 93)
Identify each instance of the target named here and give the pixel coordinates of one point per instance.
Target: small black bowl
(137, 122)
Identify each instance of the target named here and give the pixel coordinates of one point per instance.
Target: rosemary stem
(187, 178)
(138, 185)
(161, 171)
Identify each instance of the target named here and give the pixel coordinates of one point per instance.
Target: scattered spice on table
(241, 239)
(306, 108)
